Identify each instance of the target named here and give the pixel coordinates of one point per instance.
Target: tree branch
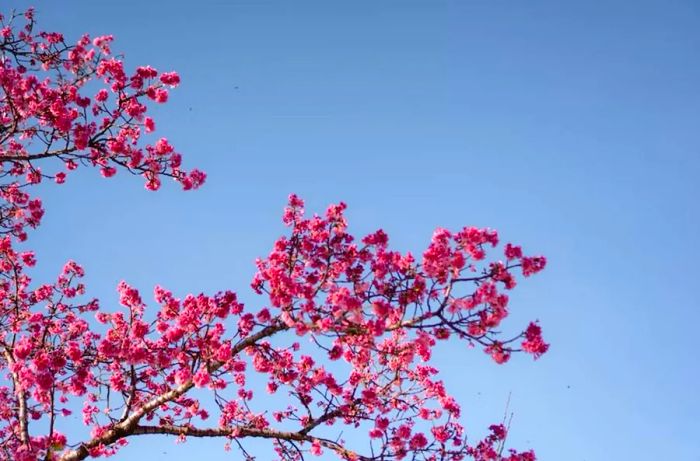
(242, 432)
(126, 427)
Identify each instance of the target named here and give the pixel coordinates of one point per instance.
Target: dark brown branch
(238, 433)
(126, 427)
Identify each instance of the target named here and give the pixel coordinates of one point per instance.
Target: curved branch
(242, 432)
(129, 424)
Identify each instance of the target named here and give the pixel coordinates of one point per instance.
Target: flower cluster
(74, 103)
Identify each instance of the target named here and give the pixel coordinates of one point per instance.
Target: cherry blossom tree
(343, 330)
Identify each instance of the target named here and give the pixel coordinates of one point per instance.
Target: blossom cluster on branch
(344, 331)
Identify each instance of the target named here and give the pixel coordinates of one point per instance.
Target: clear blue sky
(571, 127)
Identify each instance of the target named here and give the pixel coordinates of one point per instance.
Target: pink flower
(149, 124)
(160, 95)
(418, 441)
(316, 448)
(28, 258)
(108, 171)
(170, 78)
(533, 265)
(34, 176)
(201, 378)
(101, 95)
(152, 182)
(498, 353)
(163, 147)
(533, 343)
(513, 251)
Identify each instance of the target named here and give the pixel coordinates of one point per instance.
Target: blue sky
(571, 127)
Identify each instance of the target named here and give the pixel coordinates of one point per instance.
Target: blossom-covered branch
(76, 104)
(343, 331)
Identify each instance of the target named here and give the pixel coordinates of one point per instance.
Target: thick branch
(126, 427)
(238, 433)
(22, 416)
